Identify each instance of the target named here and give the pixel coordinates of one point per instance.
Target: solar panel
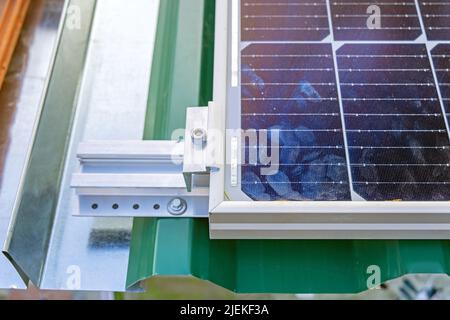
(358, 92)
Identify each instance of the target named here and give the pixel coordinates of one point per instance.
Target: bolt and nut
(177, 206)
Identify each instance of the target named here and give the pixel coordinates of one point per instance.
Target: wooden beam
(12, 16)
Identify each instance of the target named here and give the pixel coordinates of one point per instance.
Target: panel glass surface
(358, 93)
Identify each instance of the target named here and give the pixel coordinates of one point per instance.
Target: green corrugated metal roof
(182, 77)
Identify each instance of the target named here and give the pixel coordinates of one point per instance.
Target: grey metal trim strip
(32, 221)
(20, 99)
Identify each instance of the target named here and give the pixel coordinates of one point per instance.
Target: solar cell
(441, 59)
(291, 88)
(436, 18)
(357, 20)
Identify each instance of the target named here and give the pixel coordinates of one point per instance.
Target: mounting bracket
(146, 178)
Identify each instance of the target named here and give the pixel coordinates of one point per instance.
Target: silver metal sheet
(112, 106)
(19, 104)
(87, 253)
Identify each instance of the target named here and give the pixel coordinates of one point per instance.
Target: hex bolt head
(199, 136)
(176, 203)
(177, 206)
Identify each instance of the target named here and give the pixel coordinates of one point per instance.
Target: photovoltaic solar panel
(361, 109)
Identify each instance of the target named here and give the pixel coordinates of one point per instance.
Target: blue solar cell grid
(362, 112)
(292, 88)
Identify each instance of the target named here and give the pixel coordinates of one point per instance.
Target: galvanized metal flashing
(20, 97)
(32, 222)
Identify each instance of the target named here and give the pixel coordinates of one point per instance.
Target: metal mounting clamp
(195, 142)
(146, 178)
